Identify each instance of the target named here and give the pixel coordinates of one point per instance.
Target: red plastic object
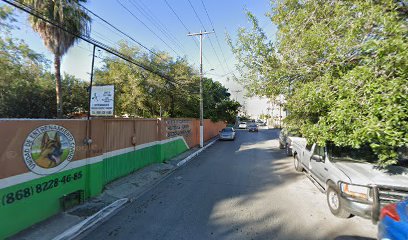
(391, 211)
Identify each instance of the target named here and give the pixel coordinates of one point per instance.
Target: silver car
(227, 133)
(253, 127)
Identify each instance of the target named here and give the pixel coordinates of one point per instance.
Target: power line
(145, 11)
(117, 29)
(133, 70)
(176, 15)
(28, 9)
(216, 36)
(212, 46)
(208, 16)
(188, 30)
(165, 43)
(102, 37)
(199, 19)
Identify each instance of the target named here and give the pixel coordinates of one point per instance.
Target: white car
(242, 125)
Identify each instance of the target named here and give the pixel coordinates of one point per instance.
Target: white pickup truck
(354, 185)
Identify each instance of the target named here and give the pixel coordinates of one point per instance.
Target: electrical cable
(202, 25)
(188, 30)
(157, 24)
(26, 8)
(117, 29)
(216, 36)
(154, 17)
(199, 19)
(165, 43)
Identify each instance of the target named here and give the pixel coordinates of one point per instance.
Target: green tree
(21, 69)
(342, 65)
(66, 13)
(142, 94)
(132, 84)
(217, 102)
(26, 85)
(75, 94)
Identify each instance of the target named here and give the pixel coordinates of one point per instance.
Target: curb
(109, 210)
(86, 224)
(187, 159)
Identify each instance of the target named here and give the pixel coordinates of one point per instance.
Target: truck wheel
(333, 200)
(298, 165)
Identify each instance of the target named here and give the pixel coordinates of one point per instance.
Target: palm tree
(65, 13)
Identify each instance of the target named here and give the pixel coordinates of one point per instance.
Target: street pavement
(242, 189)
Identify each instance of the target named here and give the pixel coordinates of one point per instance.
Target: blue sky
(226, 16)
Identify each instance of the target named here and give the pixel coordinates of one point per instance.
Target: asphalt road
(242, 189)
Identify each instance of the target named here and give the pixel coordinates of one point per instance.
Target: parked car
(242, 125)
(283, 134)
(260, 123)
(350, 178)
(227, 133)
(394, 221)
(253, 127)
(285, 141)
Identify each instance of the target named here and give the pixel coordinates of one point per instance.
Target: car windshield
(252, 125)
(227, 130)
(363, 154)
(243, 122)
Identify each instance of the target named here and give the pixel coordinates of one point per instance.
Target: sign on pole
(102, 100)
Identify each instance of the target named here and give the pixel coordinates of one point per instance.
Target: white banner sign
(102, 100)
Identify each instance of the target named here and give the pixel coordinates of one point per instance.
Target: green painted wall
(30, 202)
(121, 165)
(40, 199)
(172, 149)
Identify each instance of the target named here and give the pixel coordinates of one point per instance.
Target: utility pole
(201, 33)
(90, 84)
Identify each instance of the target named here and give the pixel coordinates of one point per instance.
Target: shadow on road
(242, 189)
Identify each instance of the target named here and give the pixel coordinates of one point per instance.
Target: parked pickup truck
(354, 185)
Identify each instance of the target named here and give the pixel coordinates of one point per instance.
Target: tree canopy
(342, 66)
(27, 85)
(143, 94)
(66, 13)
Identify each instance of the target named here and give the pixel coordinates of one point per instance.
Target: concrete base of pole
(201, 136)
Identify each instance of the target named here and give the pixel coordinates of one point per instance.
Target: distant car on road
(260, 123)
(253, 127)
(242, 125)
(394, 221)
(227, 133)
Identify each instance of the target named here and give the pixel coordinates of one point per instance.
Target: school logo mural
(48, 149)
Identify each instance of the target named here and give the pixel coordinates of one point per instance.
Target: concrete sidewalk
(129, 188)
